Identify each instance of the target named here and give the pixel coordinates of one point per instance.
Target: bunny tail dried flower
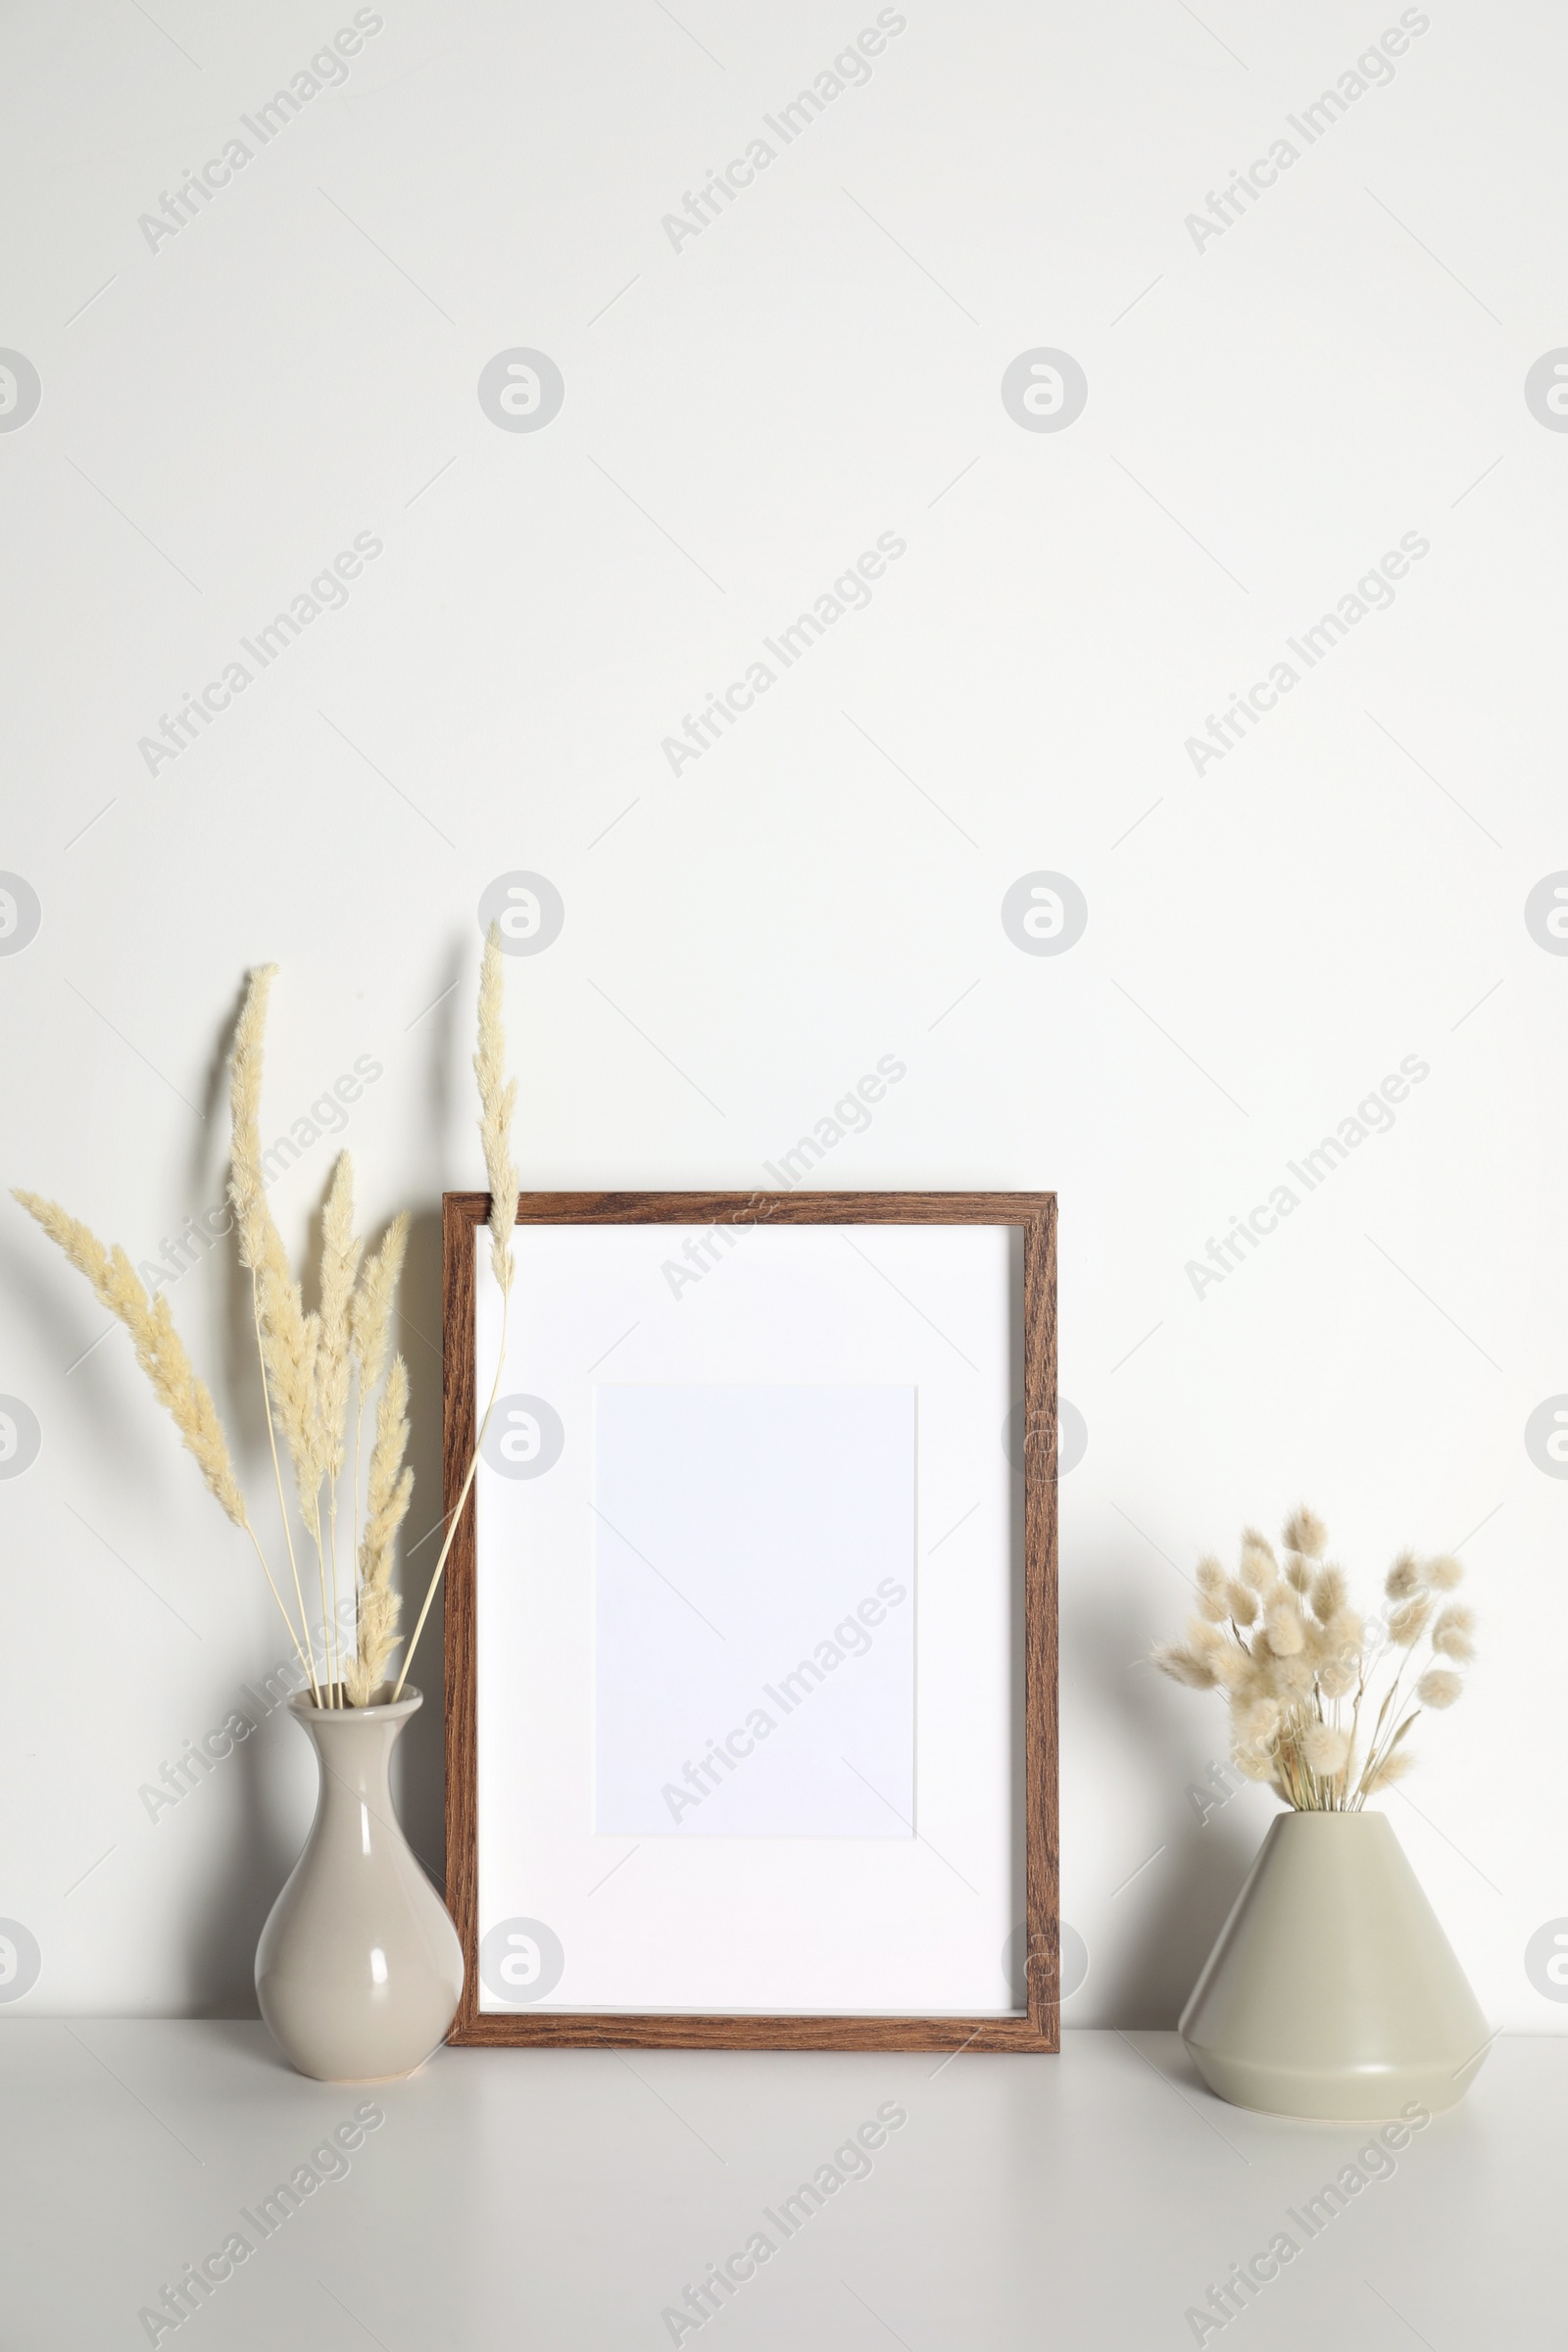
(390, 1487)
(1346, 1633)
(1337, 1677)
(1184, 1666)
(1443, 1573)
(1326, 1749)
(1409, 1621)
(1256, 1721)
(496, 1095)
(1292, 1679)
(1290, 1656)
(1211, 1592)
(1405, 1579)
(1452, 1636)
(1241, 1602)
(1232, 1668)
(1284, 1631)
(1306, 1533)
(1260, 1567)
(1329, 1594)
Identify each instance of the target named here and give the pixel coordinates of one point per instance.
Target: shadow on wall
(419, 1780)
(418, 1774)
(230, 1904)
(1152, 1937)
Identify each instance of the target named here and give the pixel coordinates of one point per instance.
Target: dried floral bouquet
(1294, 1658)
(314, 1363)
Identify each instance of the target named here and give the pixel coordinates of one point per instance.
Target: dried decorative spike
(159, 1350)
(370, 1311)
(387, 1504)
(496, 1095)
(341, 1249)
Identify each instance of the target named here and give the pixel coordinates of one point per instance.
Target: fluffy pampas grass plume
(161, 1353)
(370, 1309)
(159, 1350)
(319, 1365)
(386, 1507)
(341, 1252)
(286, 1337)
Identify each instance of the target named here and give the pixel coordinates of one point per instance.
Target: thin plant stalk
(327, 1627)
(341, 1253)
(338, 1623)
(338, 1628)
(456, 1515)
(359, 1422)
(299, 1651)
(309, 1656)
(496, 1095)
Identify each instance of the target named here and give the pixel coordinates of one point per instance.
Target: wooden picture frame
(1036, 2028)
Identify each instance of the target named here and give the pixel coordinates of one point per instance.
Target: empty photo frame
(751, 1621)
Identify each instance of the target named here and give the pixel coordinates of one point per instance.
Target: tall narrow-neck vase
(359, 1968)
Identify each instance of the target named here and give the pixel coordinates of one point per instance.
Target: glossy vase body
(1333, 1991)
(359, 1968)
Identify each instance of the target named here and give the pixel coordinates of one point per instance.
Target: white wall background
(1266, 415)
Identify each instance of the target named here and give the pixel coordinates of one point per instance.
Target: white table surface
(567, 2198)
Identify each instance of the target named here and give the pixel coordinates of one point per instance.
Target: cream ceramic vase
(359, 1968)
(1333, 1991)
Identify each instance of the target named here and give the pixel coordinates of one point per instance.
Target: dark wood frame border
(463, 1217)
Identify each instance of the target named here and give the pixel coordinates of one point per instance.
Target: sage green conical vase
(1333, 1991)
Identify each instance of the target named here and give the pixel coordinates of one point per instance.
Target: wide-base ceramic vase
(1333, 1991)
